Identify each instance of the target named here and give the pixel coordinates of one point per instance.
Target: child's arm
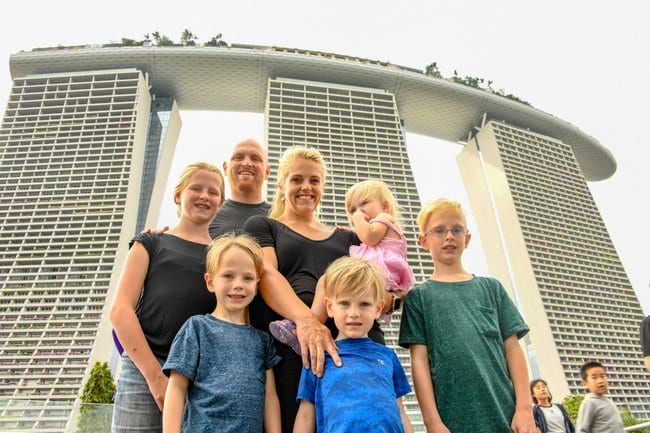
(306, 418)
(406, 422)
(423, 385)
(369, 233)
(272, 422)
(175, 402)
(522, 421)
(318, 304)
(585, 417)
(126, 323)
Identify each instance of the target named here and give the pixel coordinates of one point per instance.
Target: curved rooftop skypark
(236, 78)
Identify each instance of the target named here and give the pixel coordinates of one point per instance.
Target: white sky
(585, 62)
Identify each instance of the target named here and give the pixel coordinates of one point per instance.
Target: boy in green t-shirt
(469, 371)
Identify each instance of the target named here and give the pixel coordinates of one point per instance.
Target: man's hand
(156, 231)
(315, 339)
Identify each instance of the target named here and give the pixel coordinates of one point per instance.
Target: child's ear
(380, 308)
(328, 306)
(208, 281)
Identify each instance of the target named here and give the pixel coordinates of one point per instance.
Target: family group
(250, 316)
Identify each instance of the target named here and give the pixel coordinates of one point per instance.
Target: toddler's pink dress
(389, 255)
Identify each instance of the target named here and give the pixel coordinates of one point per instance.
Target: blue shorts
(135, 410)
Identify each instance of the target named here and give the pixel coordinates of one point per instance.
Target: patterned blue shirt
(226, 365)
(362, 394)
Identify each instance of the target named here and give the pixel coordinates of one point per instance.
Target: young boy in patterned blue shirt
(220, 367)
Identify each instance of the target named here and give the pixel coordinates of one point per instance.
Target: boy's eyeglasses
(441, 232)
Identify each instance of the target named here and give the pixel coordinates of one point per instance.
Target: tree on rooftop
(467, 80)
(432, 70)
(216, 41)
(130, 42)
(188, 38)
(161, 40)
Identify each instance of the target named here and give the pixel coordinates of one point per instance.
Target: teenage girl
(162, 286)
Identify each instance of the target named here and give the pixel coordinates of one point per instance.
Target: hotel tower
(87, 139)
(84, 159)
(545, 240)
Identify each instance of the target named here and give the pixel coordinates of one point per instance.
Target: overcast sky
(585, 62)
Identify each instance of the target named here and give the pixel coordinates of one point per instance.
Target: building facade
(80, 150)
(545, 239)
(73, 167)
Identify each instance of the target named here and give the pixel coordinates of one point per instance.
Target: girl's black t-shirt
(174, 288)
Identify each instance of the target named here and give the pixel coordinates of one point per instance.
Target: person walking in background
(160, 287)
(469, 371)
(597, 413)
(373, 212)
(549, 417)
(220, 368)
(365, 394)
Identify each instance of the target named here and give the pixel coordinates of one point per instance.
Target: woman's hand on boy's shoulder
(315, 340)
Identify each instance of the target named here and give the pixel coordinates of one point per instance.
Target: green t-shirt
(463, 324)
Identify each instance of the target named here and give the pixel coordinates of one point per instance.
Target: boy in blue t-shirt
(365, 393)
(220, 367)
(469, 371)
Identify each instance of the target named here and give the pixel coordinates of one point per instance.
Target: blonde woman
(297, 245)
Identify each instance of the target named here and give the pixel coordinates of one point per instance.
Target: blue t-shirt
(362, 394)
(226, 365)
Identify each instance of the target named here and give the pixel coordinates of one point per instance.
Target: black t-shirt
(301, 260)
(174, 288)
(232, 215)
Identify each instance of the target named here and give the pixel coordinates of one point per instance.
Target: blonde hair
(189, 171)
(368, 189)
(225, 242)
(287, 159)
(353, 277)
(439, 205)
